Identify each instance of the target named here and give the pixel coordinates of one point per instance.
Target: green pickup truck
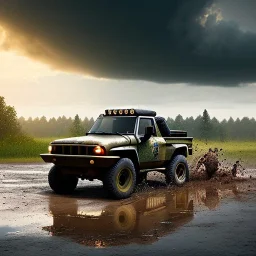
(122, 146)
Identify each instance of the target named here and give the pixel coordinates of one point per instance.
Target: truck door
(152, 152)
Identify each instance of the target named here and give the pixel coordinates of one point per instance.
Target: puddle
(145, 218)
(117, 223)
(8, 231)
(12, 181)
(89, 218)
(25, 172)
(28, 185)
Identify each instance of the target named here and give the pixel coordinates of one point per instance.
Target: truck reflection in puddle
(142, 220)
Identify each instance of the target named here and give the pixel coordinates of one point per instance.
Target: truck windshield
(114, 124)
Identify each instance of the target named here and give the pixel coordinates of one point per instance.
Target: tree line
(201, 127)
(56, 127)
(204, 127)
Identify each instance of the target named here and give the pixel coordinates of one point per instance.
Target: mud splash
(210, 162)
(210, 167)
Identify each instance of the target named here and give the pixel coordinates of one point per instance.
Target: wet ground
(203, 217)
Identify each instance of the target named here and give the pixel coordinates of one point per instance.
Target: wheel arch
(180, 149)
(130, 153)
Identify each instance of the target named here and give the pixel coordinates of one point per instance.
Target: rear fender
(180, 149)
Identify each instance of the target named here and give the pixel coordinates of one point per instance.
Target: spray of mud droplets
(210, 167)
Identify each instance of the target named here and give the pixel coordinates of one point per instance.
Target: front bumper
(86, 161)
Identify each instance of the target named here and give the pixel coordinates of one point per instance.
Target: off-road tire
(120, 180)
(177, 172)
(61, 183)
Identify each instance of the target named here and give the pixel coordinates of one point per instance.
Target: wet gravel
(206, 217)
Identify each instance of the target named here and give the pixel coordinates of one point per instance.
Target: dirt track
(203, 217)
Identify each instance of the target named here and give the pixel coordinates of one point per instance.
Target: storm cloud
(172, 41)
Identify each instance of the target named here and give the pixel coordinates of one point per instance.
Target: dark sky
(242, 11)
(169, 41)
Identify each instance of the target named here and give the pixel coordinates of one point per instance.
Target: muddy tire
(177, 172)
(120, 180)
(60, 183)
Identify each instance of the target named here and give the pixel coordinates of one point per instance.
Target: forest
(201, 127)
(22, 140)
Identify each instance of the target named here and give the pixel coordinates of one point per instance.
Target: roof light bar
(129, 112)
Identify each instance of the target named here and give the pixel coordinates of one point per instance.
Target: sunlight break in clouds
(212, 11)
(14, 67)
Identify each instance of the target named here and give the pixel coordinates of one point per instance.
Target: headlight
(50, 149)
(98, 150)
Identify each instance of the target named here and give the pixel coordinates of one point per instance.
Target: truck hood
(108, 141)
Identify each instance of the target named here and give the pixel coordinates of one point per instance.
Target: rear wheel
(177, 172)
(61, 183)
(120, 180)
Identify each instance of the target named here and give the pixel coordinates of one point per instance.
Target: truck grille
(72, 149)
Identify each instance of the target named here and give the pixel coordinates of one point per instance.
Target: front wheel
(120, 180)
(177, 171)
(61, 183)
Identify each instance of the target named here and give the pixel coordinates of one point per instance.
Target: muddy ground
(214, 217)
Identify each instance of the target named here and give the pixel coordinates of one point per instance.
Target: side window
(144, 122)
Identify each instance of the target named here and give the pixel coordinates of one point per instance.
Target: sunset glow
(68, 67)
(14, 67)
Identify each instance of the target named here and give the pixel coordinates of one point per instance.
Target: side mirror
(149, 131)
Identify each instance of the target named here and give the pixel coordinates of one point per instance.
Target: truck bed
(180, 140)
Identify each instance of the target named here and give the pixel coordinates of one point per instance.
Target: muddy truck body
(120, 149)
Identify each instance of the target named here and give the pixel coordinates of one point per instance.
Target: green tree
(205, 125)
(170, 122)
(179, 122)
(223, 131)
(9, 125)
(91, 122)
(76, 127)
(215, 129)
